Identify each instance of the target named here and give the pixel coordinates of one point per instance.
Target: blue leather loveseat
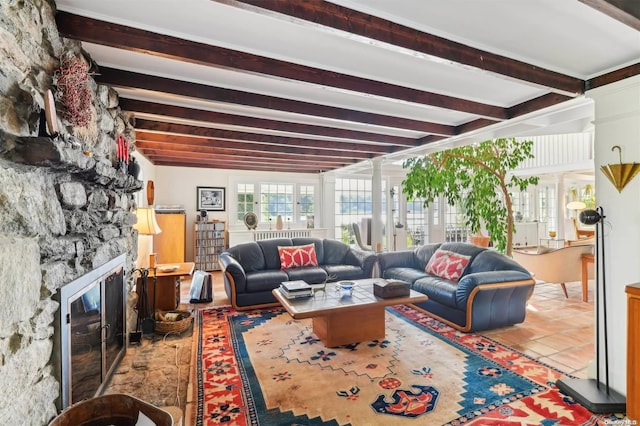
(251, 270)
(491, 291)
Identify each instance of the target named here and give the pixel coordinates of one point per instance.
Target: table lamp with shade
(147, 226)
(576, 205)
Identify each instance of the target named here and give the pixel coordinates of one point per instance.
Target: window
(353, 203)
(276, 199)
(416, 223)
(455, 228)
(521, 205)
(305, 202)
(294, 202)
(547, 205)
(244, 199)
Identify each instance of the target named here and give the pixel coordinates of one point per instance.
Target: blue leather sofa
(251, 270)
(492, 291)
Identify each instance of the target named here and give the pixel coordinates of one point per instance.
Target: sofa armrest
(232, 268)
(365, 259)
(395, 259)
(504, 279)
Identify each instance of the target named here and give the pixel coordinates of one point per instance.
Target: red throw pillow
(447, 264)
(297, 256)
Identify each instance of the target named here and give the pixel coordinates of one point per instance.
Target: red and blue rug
(263, 367)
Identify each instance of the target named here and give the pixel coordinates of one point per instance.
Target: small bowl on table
(345, 287)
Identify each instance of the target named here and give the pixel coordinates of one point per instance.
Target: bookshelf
(210, 239)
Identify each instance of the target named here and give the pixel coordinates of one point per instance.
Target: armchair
(580, 232)
(358, 236)
(560, 266)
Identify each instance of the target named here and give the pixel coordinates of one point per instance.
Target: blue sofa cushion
(302, 241)
(422, 254)
(409, 275)
(464, 249)
(310, 274)
(343, 272)
(490, 260)
(335, 252)
(263, 280)
(438, 289)
(249, 256)
(270, 251)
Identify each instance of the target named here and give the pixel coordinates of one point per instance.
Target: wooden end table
(587, 258)
(341, 319)
(166, 292)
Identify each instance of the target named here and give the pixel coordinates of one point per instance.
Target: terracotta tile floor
(557, 331)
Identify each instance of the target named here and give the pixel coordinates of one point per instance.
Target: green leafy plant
(476, 178)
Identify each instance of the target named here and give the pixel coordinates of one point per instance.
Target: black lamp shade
(590, 217)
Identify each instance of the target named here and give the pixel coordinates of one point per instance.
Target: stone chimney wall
(65, 205)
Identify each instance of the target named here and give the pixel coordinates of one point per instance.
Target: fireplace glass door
(93, 330)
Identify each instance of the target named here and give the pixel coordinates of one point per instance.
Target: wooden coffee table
(340, 319)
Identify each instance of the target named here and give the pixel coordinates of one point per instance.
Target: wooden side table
(633, 355)
(166, 291)
(587, 258)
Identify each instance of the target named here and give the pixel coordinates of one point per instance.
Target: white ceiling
(565, 36)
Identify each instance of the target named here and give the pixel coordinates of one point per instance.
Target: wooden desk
(587, 258)
(166, 291)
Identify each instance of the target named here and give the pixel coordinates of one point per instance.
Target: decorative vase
(279, 224)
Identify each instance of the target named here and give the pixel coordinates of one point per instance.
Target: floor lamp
(397, 226)
(592, 394)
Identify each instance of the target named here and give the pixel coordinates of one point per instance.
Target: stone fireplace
(66, 208)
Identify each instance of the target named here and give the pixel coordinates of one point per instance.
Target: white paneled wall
(549, 151)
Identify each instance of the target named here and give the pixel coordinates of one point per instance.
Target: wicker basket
(165, 322)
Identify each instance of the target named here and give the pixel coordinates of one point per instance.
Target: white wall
(617, 122)
(147, 173)
(177, 185)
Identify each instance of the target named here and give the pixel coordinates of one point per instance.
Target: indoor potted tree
(477, 178)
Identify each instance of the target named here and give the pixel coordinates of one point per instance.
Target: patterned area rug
(263, 367)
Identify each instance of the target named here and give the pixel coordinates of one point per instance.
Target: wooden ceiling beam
(161, 45)
(246, 146)
(536, 104)
(160, 147)
(133, 80)
(625, 11)
(177, 155)
(371, 29)
(281, 141)
(613, 76)
(139, 106)
(226, 165)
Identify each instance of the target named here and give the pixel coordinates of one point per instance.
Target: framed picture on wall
(210, 198)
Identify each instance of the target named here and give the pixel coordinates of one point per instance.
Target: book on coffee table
(296, 295)
(294, 286)
(295, 289)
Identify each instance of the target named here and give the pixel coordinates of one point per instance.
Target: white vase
(279, 224)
